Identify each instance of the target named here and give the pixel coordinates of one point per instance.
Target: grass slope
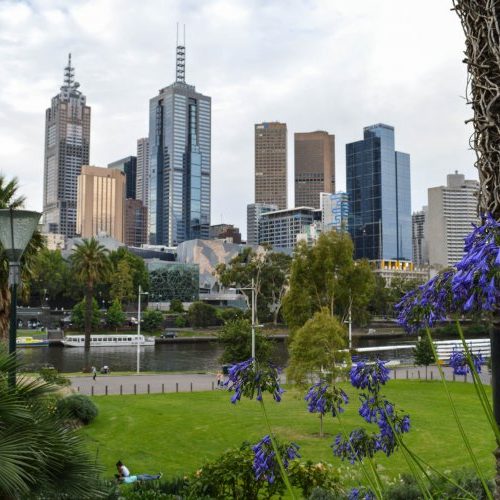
(176, 433)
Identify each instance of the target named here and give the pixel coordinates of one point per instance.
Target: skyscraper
(271, 164)
(420, 256)
(128, 166)
(67, 144)
(314, 167)
(142, 176)
(179, 161)
(378, 186)
(101, 202)
(451, 211)
(135, 223)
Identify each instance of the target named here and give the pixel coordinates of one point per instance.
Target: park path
(184, 382)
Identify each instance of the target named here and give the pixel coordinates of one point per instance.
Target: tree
(90, 265)
(115, 315)
(122, 283)
(153, 320)
(202, 315)
(138, 270)
(424, 354)
(269, 271)
(176, 306)
(236, 337)
(325, 275)
(78, 314)
(319, 347)
(39, 456)
(9, 198)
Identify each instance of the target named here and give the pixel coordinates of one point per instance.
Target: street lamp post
(252, 288)
(16, 229)
(139, 327)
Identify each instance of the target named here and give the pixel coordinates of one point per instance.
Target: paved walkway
(181, 382)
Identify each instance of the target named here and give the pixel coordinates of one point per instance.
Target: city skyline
(367, 78)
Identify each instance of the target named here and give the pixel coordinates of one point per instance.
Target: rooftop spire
(69, 73)
(180, 62)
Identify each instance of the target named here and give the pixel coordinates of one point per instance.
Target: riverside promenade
(197, 382)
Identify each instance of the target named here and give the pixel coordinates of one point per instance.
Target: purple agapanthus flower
(250, 378)
(369, 376)
(361, 494)
(458, 361)
(322, 398)
(265, 464)
(358, 445)
(472, 286)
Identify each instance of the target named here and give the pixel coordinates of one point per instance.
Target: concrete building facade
(142, 176)
(254, 212)
(379, 190)
(67, 148)
(420, 254)
(101, 203)
(451, 211)
(271, 164)
(282, 227)
(179, 162)
(314, 167)
(128, 166)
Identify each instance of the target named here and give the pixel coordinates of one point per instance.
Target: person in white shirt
(122, 470)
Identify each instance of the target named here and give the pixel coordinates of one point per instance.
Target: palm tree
(9, 198)
(90, 265)
(40, 457)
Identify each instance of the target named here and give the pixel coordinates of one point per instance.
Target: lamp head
(16, 229)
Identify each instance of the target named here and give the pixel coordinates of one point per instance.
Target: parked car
(168, 335)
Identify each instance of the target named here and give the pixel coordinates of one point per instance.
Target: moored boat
(31, 342)
(112, 340)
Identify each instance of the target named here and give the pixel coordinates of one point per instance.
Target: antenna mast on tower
(69, 73)
(180, 62)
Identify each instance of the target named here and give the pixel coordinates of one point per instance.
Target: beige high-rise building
(271, 164)
(314, 167)
(100, 202)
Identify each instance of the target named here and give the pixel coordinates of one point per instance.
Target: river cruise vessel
(31, 342)
(118, 339)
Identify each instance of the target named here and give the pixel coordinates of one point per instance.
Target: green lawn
(176, 433)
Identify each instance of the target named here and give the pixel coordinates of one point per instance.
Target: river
(171, 356)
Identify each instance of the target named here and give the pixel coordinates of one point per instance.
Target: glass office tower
(378, 186)
(179, 162)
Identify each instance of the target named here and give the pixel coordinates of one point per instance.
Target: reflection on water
(192, 356)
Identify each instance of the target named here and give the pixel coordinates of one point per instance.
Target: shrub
(152, 320)
(52, 376)
(176, 306)
(77, 407)
(201, 314)
(229, 314)
(180, 321)
(309, 475)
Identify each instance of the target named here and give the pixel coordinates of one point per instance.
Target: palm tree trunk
(4, 312)
(88, 315)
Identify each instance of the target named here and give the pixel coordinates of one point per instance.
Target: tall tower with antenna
(179, 159)
(67, 147)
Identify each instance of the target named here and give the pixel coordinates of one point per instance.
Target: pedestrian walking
(94, 372)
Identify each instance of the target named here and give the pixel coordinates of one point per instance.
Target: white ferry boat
(107, 340)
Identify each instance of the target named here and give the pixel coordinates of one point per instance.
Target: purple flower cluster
(249, 378)
(323, 399)
(357, 494)
(458, 361)
(470, 287)
(265, 465)
(369, 376)
(374, 409)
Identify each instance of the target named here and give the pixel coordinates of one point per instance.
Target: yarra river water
(171, 356)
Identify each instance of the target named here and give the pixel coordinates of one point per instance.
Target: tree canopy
(326, 275)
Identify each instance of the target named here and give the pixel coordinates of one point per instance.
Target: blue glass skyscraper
(179, 162)
(378, 186)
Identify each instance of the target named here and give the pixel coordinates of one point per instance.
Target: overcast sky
(335, 65)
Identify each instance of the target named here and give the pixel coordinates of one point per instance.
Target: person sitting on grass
(140, 477)
(122, 470)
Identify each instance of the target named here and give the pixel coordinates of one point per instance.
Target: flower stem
(277, 453)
